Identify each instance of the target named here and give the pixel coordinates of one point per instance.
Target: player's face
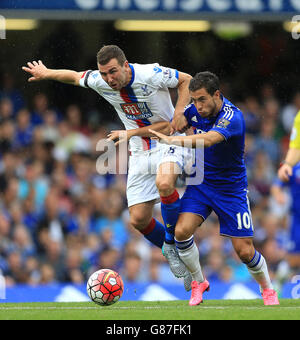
(115, 75)
(206, 104)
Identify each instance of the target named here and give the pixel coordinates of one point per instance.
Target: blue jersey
(224, 165)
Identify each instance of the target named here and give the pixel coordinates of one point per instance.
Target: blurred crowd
(61, 220)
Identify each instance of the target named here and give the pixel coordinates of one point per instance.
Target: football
(105, 287)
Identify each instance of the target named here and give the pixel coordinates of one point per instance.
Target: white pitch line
(146, 307)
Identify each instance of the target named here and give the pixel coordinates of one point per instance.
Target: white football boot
(177, 267)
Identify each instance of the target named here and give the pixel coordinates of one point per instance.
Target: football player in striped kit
(139, 93)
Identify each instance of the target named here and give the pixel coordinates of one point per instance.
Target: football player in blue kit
(219, 127)
(291, 263)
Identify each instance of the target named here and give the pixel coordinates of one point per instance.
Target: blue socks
(170, 206)
(155, 233)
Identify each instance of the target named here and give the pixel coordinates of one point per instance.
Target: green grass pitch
(160, 310)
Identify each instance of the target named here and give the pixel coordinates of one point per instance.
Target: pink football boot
(198, 288)
(270, 297)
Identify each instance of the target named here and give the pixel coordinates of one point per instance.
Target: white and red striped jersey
(144, 101)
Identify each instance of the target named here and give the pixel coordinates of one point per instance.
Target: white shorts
(143, 168)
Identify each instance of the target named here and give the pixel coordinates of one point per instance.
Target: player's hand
(119, 136)
(285, 172)
(37, 70)
(180, 123)
(160, 137)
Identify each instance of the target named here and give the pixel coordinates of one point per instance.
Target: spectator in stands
(24, 130)
(9, 90)
(111, 219)
(70, 141)
(7, 136)
(6, 109)
(61, 220)
(40, 107)
(266, 142)
(289, 113)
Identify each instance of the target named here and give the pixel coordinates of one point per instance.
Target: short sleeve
(189, 112)
(295, 135)
(164, 77)
(230, 124)
(89, 79)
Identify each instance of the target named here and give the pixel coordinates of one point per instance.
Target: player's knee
(245, 254)
(138, 221)
(182, 232)
(164, 186)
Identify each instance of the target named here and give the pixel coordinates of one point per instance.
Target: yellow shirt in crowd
(295, 135)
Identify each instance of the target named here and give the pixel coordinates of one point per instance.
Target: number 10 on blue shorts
(231, 206)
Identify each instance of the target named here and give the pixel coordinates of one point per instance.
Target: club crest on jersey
(146, 91)
(136, 111)
(223, 123)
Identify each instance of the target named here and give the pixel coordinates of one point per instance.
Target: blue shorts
(232, 208)
(294, 244)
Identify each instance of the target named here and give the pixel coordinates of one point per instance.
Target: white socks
(189, 255)
(258, 269)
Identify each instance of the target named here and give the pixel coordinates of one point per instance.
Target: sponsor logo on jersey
(136, 111)
(157, 69)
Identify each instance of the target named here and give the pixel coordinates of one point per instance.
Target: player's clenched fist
(37, 70)
(285, 172)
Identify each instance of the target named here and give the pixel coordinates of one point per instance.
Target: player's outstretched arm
(278, 194)
(38, 71)
(193, 141)
(120, 136)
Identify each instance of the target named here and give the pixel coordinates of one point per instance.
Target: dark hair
(207, 80)
(108, 52)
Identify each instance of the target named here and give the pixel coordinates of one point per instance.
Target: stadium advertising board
(186, 7)
(147, 291)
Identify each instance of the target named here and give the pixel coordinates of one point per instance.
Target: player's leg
(291, 263)
(170, 201)
(257, 267)
(170, 204)
(172, 163)
(169, 167)
(234, 214)
(193, 212)
(142, 194)
(142, 220)
(189, 254)
(187, 249)
(254, 261)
